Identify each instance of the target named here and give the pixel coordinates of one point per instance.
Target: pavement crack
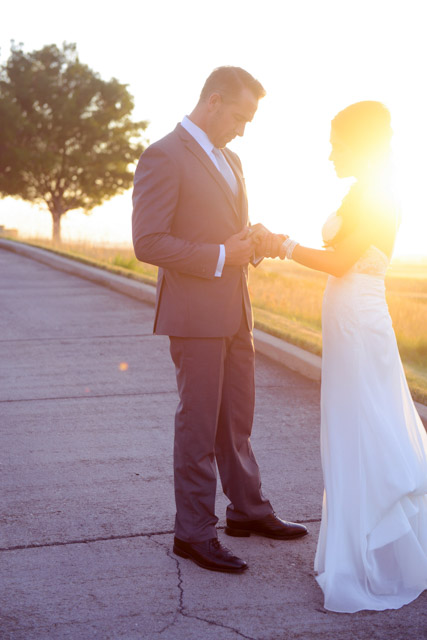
(65, 543)
(90, 396)
(179, 586)
(181, 606)
(64, 339)
(124, 536)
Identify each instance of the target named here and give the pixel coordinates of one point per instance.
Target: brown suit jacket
(183, 209)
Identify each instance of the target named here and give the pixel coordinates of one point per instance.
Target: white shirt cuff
(221, 260)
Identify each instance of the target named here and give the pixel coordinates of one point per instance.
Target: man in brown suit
(190, 218)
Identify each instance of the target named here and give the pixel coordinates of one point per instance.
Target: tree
(66, 137)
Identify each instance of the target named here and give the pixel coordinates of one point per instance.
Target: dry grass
(118, 259)
(289, 290)
(287, 301)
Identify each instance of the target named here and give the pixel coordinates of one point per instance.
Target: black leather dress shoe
(209, 554)
(271, 527)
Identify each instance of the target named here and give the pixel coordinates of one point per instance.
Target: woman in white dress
(372, 547)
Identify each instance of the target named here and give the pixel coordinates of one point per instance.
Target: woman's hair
(229, 82)
(366, 128)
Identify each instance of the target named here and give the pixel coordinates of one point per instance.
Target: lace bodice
(373, 262)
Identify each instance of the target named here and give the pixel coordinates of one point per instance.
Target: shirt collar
(198, 134)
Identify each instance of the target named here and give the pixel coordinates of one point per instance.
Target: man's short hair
(229, 82)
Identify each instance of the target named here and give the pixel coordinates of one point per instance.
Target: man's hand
(239, 248)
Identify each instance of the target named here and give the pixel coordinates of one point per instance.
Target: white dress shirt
(202, 139)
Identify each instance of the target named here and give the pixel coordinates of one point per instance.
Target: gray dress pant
(213, 422)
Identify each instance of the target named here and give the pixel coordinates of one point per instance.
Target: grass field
(287, 301)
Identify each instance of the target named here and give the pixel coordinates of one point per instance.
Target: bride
(372, 547)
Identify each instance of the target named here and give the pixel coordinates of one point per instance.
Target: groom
(190, 218)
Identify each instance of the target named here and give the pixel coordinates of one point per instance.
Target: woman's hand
(267, 244)
(270, 245)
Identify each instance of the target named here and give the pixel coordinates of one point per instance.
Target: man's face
(227, 119)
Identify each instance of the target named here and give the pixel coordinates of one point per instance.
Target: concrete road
(87, 398)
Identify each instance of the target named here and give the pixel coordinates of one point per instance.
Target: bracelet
(288, 246)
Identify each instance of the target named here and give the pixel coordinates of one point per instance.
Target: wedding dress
(372, 547)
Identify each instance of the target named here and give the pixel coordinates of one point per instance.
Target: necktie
(225, 170)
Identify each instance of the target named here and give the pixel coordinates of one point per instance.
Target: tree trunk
(56, 227)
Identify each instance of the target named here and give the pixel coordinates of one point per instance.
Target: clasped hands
(258, 240)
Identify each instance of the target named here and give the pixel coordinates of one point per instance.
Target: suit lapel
(197, 150)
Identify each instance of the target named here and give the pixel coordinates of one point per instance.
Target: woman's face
(343, 157)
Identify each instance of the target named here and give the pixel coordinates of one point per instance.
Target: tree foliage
(66, 137)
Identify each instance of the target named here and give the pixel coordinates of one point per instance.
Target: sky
(314, 58)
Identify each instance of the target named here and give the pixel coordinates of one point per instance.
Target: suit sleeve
(155, 198)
